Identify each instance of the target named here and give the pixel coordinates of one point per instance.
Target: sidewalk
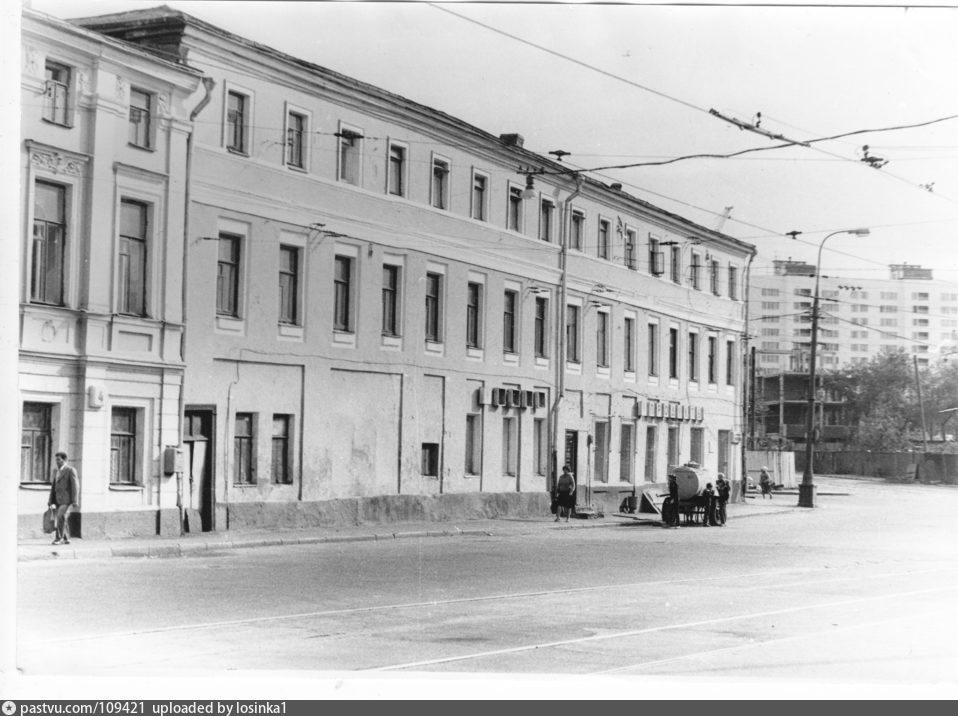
(212, 542)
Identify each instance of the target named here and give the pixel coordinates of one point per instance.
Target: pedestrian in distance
(64, 493)
(565, 494)
(708, 500)
(765, 482)
(723, 492)
(671, 509)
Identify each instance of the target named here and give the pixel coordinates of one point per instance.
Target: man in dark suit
(64, 493)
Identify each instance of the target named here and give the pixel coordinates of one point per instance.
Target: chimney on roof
(616, 186)
(512, 140)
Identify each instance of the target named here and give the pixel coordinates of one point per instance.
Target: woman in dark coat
(565, 493)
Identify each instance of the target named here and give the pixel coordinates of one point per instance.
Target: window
(630, 249)
(281, 472)
(626, 451)
(603, 246)
(243, 471)
(546, 214)
(713, 359)
(650, 432)
(430, 460)
(390, 300)
(672, 445)
(397, 170)
(888, 309)
(696, 444)
(695, 271)
(770, 305)
(473, 315)
(132, 269)
(602, 339)
(655, 258)
(295, 132)
(578, 230)
(509, 322)
(227, 275)
(628, 334)
(920, 296)
(342, 294)
(237, 122)
(289, 285)
(514, 210)
(36, 440)
(693, 357)
(653, 349)
(733, 282)
(730, 362)
(510, 445)
(141, 117)
(479, 185)
(434, 307)
(770, 291)
(602, 451)
(919, 309)
(675, 264)
(350, 154)
(123, 446)
(541, 337)
(49, 239)
(673, 353)
(714, 276)
(540, 447)
(440, 183)
(473, 444)
(890, 296)
(572, 334)
(56, 94)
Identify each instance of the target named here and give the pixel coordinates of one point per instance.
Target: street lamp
(806, 491)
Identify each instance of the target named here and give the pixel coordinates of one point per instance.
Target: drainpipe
(746, 396)
(560, 323)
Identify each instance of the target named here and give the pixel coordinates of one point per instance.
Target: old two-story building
(392, 313)
(103, 204)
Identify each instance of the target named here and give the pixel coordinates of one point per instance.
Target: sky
(633, 83)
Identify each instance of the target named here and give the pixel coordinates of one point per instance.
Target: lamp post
(806, 490)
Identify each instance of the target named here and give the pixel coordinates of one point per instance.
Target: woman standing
(765, 482)
(565, 493)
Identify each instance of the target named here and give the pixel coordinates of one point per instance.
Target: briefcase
(49, 521)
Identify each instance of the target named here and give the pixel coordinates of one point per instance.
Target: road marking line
(466, 600)
(650, 630)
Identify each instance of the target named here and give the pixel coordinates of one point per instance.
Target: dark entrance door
(571, 454)
(198, 432)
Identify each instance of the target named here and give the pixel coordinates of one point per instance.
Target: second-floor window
(541, 336)
(577, 233)
(713, 359)
(237, 122)
(49, 238)
(141, 118)
(673, 353)
(479, 185)
(546, 213)
(132, 265)
(56, 94)
(676, 264)
(630, 249)
(602, 339)
(509, 326)
(628, 353)
(733, 282)
(342, 294)
(603, 247)
(397, 170)
(655, 258)
(433, 307)
(227, 275)
(288, 285)
(473, 315)
(730, 362)
(695, 271)
(653, 345)
(714, 276)
(440, 183)
(693, 357)
(390, 300)
(572, 334)
(350, 155)
(295, 133)
(514, 210)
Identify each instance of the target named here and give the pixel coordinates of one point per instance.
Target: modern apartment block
(103, 207)
(385, 314)
(907, 311)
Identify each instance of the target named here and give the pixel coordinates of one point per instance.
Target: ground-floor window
(510, 446)
(430, 460)
(36, 439)
(282, 474)
(626, 450)
(602, 451)
(696, 441)
(540, 446)
(123, 446)
(650, 453)
(673, 447)
(243, 473)
(473, 444)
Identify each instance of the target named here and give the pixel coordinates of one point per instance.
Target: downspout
(208, 83)
(560, 324)
(745, 375)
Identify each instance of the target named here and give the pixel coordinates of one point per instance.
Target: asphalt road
(860, 590)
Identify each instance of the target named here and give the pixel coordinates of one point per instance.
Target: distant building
(908, 311)
(781, 412)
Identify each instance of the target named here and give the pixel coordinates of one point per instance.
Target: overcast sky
(627, 84)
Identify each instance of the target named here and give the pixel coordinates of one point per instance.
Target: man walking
(63, 496)
(723, 492)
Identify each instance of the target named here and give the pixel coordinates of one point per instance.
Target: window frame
(303, 143)
(628, 249)
(712, 359)
(577, 229)
(343, 288)
(129, 300)
(714, 277)
(391, 300)
(515, 209)
(547, 213)
(433, 306)
(349, 155)
(238, 137)
(40, 294)
(233, 275)
(602, 335)
(473, 445)
(693, 356)
(244, 446)
(733, 282)
(652, 356)
(510, 321)
(474, 333)
(439, 195)
(53, 90)
(397, 170)
(289, 310)
(673, 352)
(45, 434)
(695, 271)
(603, 238)
(479, 198)
(540, 337)
(130, 439)
(573, 329)
(675, 264)
(628, 336)
(133, 137)
(285, 443)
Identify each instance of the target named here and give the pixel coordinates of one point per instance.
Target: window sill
(290, 331)
(391, 342)
(56, 123)
(629, 376)
(435, 348)
(542, 362)
(344, 339)
(294, 168)
(475, 353)
(141, 147)
(125, 488)
(229, 324)
(244, 485)
(35, 486)
(573, 367)
(237, 152)
(602, 371)
(510, 358)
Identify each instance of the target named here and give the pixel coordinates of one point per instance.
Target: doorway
(571, 454)
(198, 433)
(724, 438)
